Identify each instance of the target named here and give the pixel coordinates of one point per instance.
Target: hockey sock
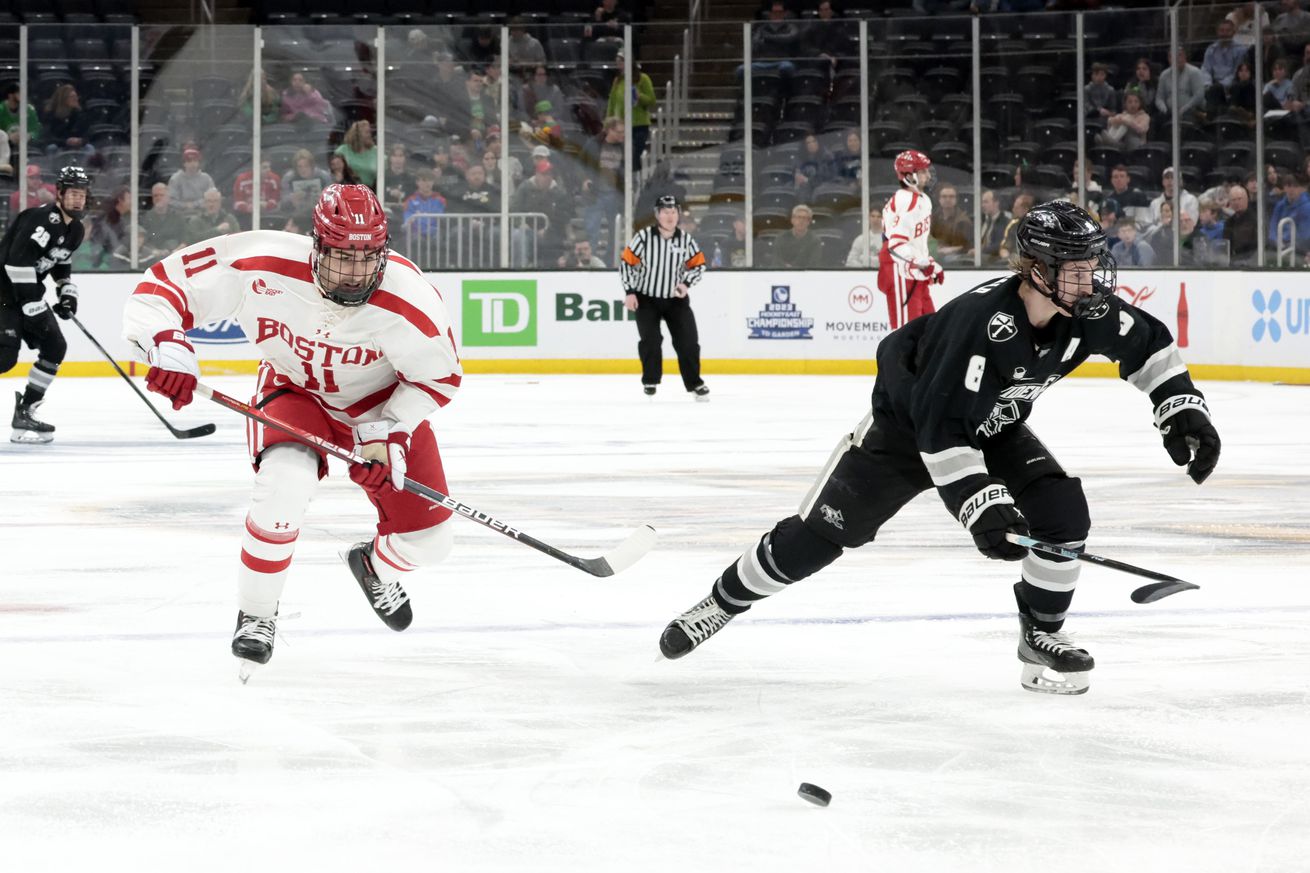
(38, 381)
(394, 555)
(284, 485)
(788, 553)
(1046, 588)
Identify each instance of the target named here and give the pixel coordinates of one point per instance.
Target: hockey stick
(618, 559)
(189, 433)
(1146, 594)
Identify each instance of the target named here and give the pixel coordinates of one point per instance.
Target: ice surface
(525, 721)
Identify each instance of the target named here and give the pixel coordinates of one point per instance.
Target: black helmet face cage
(332, 280)
(1105, 278)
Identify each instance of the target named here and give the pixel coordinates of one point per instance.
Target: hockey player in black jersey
(39, 242)
(953, 393)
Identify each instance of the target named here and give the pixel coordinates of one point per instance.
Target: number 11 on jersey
(328, 385)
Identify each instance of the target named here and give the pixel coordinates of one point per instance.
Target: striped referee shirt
(653, 265)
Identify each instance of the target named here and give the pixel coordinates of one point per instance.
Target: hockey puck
(814, 794)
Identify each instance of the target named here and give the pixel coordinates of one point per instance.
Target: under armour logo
(281, 525)
(833, 516)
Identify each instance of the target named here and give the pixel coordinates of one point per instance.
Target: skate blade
(31, 436)
(248, 669)
(1037, 678)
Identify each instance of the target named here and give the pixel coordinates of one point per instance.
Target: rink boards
(1229, 325)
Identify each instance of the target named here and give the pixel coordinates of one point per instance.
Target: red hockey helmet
(350, 244)
(911, 162)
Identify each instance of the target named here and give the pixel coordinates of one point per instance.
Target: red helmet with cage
(350, 244)
(911, 162)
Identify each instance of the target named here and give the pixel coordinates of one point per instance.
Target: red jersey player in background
(356, 348)
(905, 269)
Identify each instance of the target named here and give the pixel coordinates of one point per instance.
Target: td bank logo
(500, 312)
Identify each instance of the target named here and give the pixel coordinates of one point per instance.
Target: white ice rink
(525, 722)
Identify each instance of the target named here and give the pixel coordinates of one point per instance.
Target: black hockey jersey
(960, 376)
(37, 244)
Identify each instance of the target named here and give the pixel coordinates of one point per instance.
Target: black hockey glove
(1189, 437)
(989, 515)
(66, 308)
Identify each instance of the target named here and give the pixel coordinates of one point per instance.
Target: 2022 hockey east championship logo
(780, 318)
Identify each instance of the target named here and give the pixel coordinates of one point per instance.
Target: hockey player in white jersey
(356, 348)
(905, 269)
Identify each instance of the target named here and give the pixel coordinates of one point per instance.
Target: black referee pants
(676, 312)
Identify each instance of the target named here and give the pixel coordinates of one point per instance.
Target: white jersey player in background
(356, 348)
(905, 269)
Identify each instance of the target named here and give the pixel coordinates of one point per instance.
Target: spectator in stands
(400, 181)
(1187, 240)
(270, 191)
(581, 258)
(798, 249)
(1100, 99)
(1301, 87)
(1241, 97)
(212, 219)
(1243, 20)
(734, 253)
(1191, 87)
(6, 163)
(602, 183)
(606, 21)
(994, 222)
(544, 129)
(38, 193)
(270, 102)
(1278, 93)
(846, 164)
(1091, 188)
(827, 38)
(1220, 64)
(476, 195)
(536, 89)
(1142, 83)
(1295, 204)
(1109, 221)
(1188, 200)
(1292, 26)
(1128, 129)
(641, 97)
(773, 42)
(1209, 234)
(302, 104)
(447, 93)
(811, 169)
(479, 51)
(10, 117)
(951, 228)
(340, 172)
(110, 245)
(163, 226)
(418, 48)
(64, 126)
(865, 247)
(540, 193)
(1128, 198)
(449, 177)
(360, 152)
(1240, 226)
(424, 201)
(475, 108)
(302, 184)
(525, 50)
(187, 186)
(1129, 251)
(1160, 235)
(1009, 247)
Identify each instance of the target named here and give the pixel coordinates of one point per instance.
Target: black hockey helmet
(72, 177)
(1059, 231)
(666, 201)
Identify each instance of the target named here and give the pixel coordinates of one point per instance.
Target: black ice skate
(649, 389)
(693, 627)
(388, 599)
(702, 392)
(26, 428)
(253, 642)
(1043, 650)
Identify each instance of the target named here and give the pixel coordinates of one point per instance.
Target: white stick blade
(631, 550)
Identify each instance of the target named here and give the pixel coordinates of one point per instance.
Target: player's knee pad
(1056, 509)
(53, 348)
(423, 548)
(798, 551)
(284, 485)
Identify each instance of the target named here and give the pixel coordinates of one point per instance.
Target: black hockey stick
(1146, 594)
(189, 433)
(622, 556)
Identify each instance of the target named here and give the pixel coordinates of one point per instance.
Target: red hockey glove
(384, 446)
(173, 367)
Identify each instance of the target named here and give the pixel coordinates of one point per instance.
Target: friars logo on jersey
(780, 318)
(1001, 327)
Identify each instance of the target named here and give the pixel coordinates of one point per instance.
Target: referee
(659, 267)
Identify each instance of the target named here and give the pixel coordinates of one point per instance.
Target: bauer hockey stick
(1146, 594)
(618, 559)
(189, 433)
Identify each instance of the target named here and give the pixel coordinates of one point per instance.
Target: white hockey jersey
(907, 223)
(393, 359)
